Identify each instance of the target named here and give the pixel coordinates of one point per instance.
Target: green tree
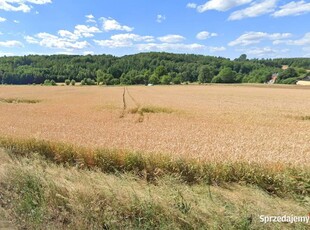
(154, 79)
(165, 80)
(227, 75)
(205, 74)
(288, 73)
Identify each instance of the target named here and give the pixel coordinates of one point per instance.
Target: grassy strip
(19, 100)
(37, 194)
(281, 180)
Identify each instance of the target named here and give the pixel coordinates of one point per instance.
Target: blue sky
(227, 28)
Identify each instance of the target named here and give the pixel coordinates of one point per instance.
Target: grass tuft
(151, 109)
(19, 101)
(305, 118)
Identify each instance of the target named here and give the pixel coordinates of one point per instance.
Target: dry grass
(37, 194)
(219, 123)
(281, 180)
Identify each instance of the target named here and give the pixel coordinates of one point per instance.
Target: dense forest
(148, 68)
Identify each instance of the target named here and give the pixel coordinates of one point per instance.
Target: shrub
(67, 82)
(73, 82)
(53, 82)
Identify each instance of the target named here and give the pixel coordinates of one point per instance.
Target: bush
(49, 82)
(53, 82)
(292, 80)
(73, 82)
(67, 82)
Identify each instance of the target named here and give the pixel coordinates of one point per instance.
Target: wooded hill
(148, 68)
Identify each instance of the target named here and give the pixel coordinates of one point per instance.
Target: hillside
(145, 68)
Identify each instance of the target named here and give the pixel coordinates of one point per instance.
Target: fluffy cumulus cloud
(264, 52)
(256, 9)
(203, 35)
(251, 38)
(293, 8)
(2, 19)
(11, 44)
(90, 18)
(221, 5)
(86, 31)
(123, 40)
(304, 41)
(56, 42)
(21, 5)
(110, 24)
(171, 38)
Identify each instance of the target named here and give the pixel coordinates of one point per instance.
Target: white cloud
(86, 31)
(216, 49)
(69, 35)
(133, 37)
(170, 46)
(160, 18)
(256, 9)
(21, 5)
(2, 19)
(16, 21)
(293, 8)
(90, 18)
(171, 38)
(39, 2)
(221, 5)
(205, 35)
(52, 41)
(250, 38)
(113, 43)
(11, 44)
(31, 40)
(123, 40)
(261, 51)
(264, 51)
(179, 47)
(110, 24)
(191, 5)
(305, 40)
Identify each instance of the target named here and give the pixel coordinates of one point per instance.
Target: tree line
(148, 68)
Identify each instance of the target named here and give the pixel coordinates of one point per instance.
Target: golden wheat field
(211, 122)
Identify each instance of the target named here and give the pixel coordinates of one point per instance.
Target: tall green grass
(281, 180)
